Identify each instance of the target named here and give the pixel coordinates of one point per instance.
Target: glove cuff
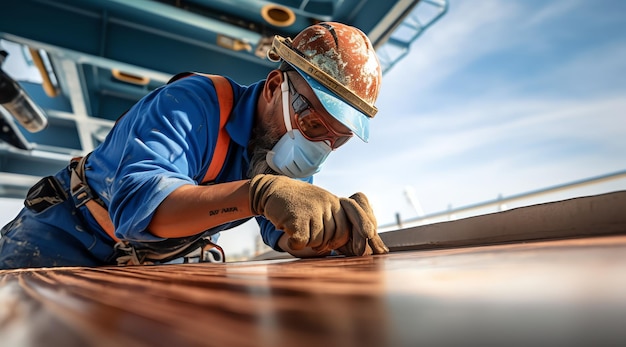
(259, 185)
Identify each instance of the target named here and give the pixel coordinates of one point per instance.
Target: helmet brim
(349, 116)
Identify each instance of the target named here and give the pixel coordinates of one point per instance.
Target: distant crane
(411, 197)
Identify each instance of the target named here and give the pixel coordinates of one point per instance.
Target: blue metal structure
(95, 58)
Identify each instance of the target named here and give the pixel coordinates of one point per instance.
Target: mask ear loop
(284, 87)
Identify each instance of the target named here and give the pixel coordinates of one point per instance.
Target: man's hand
(364, 240)
(310, 215)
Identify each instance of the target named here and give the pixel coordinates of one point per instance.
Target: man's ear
(272, 85)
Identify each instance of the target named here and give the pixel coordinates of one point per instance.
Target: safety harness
(131, 255)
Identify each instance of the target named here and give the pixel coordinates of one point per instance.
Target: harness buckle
(81, 195)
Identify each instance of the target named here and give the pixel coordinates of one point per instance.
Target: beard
(263, 139)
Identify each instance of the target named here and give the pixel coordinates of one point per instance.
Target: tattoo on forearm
(223, 210)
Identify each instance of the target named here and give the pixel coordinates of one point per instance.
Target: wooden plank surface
(568, 292)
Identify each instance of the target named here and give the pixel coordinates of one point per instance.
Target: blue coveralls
(163, 142)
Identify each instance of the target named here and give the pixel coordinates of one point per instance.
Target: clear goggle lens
(313, 126)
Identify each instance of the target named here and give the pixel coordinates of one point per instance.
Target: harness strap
(226, 99)
(208, 252)
(83, 195)
(225, 96)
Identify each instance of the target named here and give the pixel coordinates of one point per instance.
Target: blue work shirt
(166, 141)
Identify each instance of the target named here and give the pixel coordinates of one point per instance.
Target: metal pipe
(19, 104)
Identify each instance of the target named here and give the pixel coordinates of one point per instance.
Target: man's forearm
(192, 209)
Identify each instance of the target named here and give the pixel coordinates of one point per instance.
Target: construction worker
(203, 154)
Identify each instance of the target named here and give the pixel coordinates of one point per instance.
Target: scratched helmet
(340, 65)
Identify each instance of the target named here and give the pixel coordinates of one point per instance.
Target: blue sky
(497, 97)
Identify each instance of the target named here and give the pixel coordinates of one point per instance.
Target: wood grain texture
(568, 292)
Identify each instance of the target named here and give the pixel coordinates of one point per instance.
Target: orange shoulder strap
(225, 98)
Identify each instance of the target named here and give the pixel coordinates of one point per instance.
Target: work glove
(310, 215)
(364, 239)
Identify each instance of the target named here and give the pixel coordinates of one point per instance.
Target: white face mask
(294, 155)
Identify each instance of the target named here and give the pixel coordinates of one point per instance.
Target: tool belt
(200, 250)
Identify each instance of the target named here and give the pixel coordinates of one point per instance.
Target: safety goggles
(311, 124)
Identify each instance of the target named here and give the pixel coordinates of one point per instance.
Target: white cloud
(547, 12)
(559, 122)
(466, 32)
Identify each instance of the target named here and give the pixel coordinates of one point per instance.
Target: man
(203, 154)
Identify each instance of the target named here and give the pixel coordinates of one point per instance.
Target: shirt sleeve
(165, 138)
(269, 233)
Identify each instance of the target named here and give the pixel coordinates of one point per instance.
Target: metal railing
(425, 14)
(499, 204)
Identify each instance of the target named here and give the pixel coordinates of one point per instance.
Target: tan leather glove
(310, 215)
(364, 239)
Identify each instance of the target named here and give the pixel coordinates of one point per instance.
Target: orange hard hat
(338, 61)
